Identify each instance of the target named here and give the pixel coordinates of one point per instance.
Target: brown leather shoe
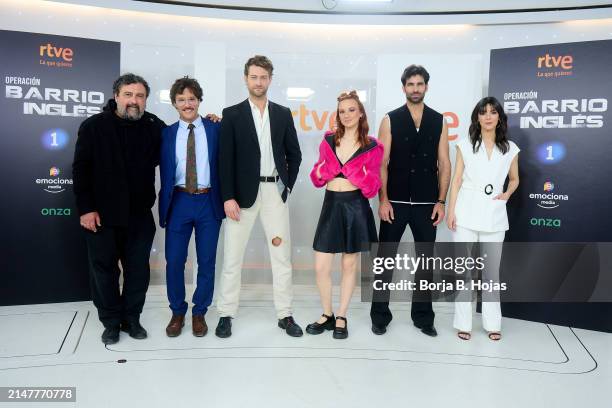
(175, 326)
(198, 324)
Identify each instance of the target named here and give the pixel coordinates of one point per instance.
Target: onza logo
(55, 211)
(546, 222)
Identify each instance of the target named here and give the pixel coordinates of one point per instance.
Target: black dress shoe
(378, 329)
(134, 329)
(224, 328)
(290, 326)
(318, 328)
(427, 329)
(341, 332)
(110, 335)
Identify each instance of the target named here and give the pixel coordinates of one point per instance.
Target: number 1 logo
(55, 139)
(551, 152)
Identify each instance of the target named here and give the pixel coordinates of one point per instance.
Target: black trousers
(131, 246)
(418, 217)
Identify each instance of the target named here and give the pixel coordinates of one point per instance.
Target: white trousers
(274, 215)
(491, 310)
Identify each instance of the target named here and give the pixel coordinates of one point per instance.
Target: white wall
(327, 58)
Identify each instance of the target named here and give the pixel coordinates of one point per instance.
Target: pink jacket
(371, 157)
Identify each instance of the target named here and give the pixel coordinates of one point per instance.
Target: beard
(418, 98)
(258, 92)
(128, 113)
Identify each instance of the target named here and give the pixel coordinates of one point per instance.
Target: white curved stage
(58, 345)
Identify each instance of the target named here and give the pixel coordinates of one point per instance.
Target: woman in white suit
(477, 205)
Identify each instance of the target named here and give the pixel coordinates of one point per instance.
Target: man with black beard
(415, 175)
(114, 183)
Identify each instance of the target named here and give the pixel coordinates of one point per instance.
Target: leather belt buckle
(197, 191)
(271, 179)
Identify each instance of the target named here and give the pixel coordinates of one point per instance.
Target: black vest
(413, 160)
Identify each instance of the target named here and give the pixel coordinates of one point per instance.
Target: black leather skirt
(346, 223)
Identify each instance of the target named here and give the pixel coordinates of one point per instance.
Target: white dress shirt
(262, 126)
(201, 147)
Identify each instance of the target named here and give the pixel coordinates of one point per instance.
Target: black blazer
(99, 167)
(240, 157)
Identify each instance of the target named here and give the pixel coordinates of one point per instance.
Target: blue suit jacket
(167, 169)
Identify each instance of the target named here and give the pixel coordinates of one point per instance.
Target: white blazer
(483, 179)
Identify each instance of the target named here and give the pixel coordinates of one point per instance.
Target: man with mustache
(415, 175)
(259, 160)
(114, 182)
(189, 200)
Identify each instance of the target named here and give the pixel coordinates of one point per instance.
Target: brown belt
(197, 191)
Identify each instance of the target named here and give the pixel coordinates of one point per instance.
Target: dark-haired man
(259, 160)
(114, 182)
(189, 200)
(415, 176)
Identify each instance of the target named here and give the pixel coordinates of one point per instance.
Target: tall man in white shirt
(259, 157)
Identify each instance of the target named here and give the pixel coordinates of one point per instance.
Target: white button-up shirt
(201, 147)
(262, 126)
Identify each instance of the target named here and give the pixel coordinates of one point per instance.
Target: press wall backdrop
(51, 83)
(556, 97)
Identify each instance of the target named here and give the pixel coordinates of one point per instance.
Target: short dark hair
(259, 61)
(413, 70)
(128, 79)
(181, 84)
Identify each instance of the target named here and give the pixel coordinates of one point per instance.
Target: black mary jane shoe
(341, 332)
(318, 328)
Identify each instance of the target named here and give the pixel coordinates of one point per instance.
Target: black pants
(418, 217)
(132, 246)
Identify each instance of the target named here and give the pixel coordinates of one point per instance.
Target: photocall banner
(51, 84)
(556, 98)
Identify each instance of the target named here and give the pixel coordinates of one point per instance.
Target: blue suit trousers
(190, 212)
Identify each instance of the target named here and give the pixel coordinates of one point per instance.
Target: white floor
(535, 365)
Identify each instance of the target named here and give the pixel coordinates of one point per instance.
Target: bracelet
(441, 201)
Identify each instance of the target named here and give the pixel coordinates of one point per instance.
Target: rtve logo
(550, 61)
(310, 119)
(50, 50)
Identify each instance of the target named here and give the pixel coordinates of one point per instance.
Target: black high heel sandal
(341, 332)
(318, 328)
